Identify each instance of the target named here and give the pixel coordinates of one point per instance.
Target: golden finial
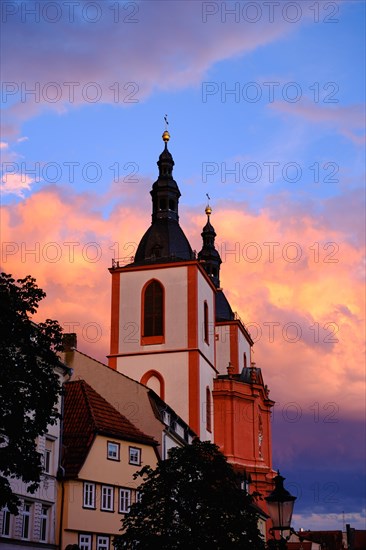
(166, 135)
(208, 209)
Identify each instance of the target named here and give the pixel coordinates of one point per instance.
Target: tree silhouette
(192, 499)
(29, 386)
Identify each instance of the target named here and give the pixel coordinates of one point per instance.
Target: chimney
(69, 341)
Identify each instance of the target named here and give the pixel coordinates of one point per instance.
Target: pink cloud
(163, 45)
(314, 306)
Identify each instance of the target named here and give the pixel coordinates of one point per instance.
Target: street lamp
(280, 507)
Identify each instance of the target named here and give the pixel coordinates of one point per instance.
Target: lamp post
(280, 507)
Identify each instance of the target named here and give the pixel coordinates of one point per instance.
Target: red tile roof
(86, 414)
(331, 539)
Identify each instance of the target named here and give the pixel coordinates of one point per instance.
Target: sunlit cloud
(15, 184)
(347, 120)
(307, 324)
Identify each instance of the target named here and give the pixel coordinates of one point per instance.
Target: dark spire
(209, 254)
(164, 240)
(165, 191)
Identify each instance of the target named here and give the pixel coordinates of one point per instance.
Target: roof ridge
(85, 386)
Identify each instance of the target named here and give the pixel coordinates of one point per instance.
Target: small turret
(208, 254)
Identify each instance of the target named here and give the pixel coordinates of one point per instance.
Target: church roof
(87, 414)
(163, 241)
(246, 375)
(223, 309)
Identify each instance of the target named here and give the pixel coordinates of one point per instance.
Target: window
(107, 498)
(134, 456)
(85, 542)
(179, 429)
(208, 410)
(112, 451)
(102, 543)
(5, 531)
(205, 316)
(44, 524)
(124, 500)
(166, 418)
(245, 360)
(89, 495)
(153, 305)
(26, 513)
(245, 484)
(47, 456)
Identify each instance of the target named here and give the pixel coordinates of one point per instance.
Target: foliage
(29, 385)
(192, 499)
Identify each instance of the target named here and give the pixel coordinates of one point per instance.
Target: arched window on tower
(205, 322)
(208, 410)
(153, 313)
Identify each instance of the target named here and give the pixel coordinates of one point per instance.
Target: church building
(173, 329)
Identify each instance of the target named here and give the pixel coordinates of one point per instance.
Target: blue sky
(287, 169)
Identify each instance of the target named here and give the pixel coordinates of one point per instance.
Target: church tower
(173, 329)
(209, 255)
(163, 311)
